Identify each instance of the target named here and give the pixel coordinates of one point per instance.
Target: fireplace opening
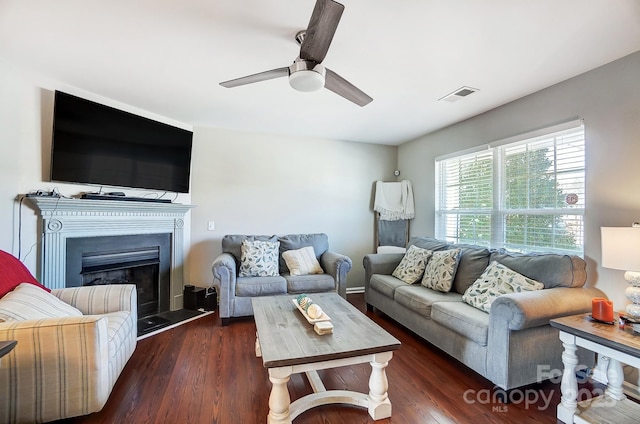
(130, 266)
(140, 259)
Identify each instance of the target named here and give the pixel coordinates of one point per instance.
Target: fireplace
(136, 227)
(143, 260)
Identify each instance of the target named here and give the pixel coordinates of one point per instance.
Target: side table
(6, 347)
(616, 344)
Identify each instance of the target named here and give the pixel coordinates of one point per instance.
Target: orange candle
(602, 309)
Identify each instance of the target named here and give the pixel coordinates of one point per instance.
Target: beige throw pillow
(28, 301)
(496, 280)
(441, 270)
(302, 261)
(412, 265)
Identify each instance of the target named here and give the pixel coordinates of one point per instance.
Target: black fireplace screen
(143, 260)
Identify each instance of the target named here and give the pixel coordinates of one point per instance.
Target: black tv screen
(100, 145)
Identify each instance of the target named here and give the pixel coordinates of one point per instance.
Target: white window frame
(499, 212)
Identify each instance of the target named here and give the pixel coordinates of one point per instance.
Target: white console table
(613, 344)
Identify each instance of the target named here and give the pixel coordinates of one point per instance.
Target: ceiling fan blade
(262, 76)
(322, 27)
(344, 88)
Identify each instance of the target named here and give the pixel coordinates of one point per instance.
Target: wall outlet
(211, 226)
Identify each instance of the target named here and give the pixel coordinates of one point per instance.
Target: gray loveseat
(513, 345)
(235, 292)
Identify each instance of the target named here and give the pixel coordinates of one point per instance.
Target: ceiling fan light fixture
(306, 80)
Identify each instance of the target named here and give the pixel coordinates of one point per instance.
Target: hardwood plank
(202, 372)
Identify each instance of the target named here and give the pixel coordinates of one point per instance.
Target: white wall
(26, 117)
(250, 183)
(247, 183)
(608, 99)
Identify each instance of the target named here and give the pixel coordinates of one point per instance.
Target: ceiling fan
(307, 73)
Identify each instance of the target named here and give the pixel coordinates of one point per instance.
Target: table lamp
(621, 250)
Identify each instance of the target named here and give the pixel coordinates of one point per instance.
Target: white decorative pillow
(302, 261)
(28, 301)
(441, 270)
(497, 280)
(259, 259)
(412, 265)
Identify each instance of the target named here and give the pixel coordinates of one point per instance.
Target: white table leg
(379, 403)
(569, 385)
(615, 378)
(279, 400)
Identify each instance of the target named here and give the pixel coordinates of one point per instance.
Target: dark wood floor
(202, 372)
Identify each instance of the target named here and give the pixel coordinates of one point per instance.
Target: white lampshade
(621, 248)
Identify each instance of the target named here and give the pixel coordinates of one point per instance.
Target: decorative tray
(324, 316)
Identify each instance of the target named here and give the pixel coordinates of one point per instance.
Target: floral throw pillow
(441, 270)
(412, 265)
(259, 259)
(497, 280)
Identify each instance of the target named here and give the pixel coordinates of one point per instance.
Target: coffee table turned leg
(569, 385)
(279, 400)
(379, 403)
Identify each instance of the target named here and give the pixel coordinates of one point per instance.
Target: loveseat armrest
(98, 300)
(380, 263)
(224, 280)
(535, 308)
(66, 358)
(337, 266)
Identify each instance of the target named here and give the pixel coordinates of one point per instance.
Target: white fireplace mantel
(62, 218)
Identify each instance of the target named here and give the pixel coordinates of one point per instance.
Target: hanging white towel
(394, 201)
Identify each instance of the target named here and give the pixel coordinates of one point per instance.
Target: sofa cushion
(497, 280)
(412, 265)
(462, 319)
(552, 270)
(428, 243)
(232, 243)
(319, 241)
(28, 301)
(385, 284)
(259, 259)
(473, 261)
(310, 283)
(420, 299)
(441, 270)
(302, 261)
(14, 273)
(260, 286)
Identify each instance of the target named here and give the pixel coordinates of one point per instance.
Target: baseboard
(354, 290)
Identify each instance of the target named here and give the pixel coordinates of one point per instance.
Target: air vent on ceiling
(460, 93)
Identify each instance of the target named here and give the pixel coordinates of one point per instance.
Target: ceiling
(168, 57)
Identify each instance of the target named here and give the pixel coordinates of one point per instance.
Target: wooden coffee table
(289, 345)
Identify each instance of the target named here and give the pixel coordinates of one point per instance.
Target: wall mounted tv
(99, 145)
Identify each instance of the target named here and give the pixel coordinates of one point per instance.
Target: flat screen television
(99, 145)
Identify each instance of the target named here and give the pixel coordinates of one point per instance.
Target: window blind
(525, 195)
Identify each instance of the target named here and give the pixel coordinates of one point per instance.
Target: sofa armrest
(97, 300)
(224, 280)
(536, 308)
(64, 357)
(337, 266)
(380, 263)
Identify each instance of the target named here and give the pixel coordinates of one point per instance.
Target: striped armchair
(65, 367)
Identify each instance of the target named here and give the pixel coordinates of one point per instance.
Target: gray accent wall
(608, 99)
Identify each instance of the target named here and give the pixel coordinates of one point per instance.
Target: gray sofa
(513, 345)
(235, 293)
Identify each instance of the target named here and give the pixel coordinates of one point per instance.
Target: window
(524, 195)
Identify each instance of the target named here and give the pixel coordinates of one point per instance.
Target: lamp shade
(621, 248)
